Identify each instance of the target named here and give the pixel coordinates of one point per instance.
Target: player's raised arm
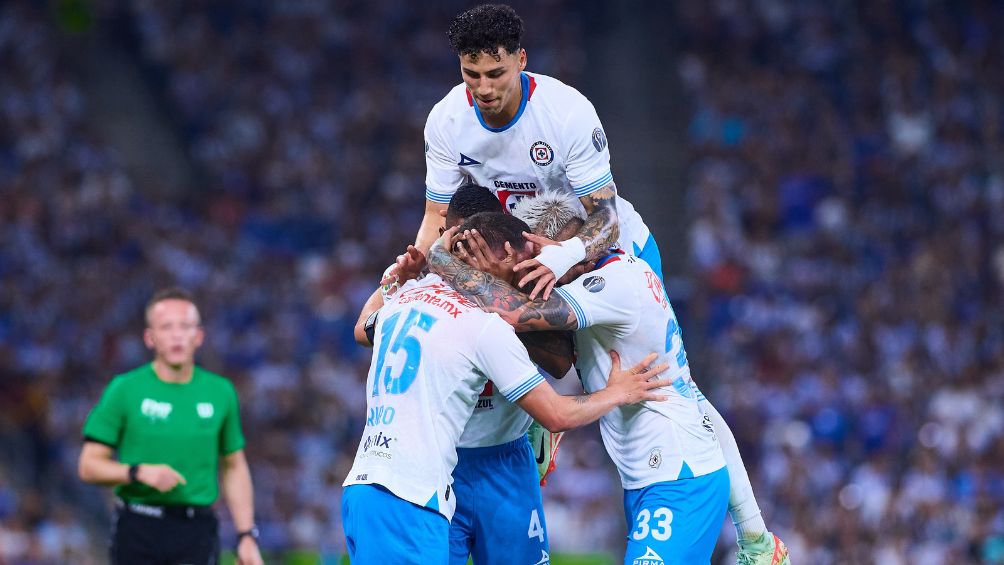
(432, 221)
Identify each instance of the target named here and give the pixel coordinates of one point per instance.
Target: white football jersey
(621, 306)
(433, 353)
(554, 143)
(495, 420)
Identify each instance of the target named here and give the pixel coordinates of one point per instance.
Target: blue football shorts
(500, 515)
(382, 528)
(676, 522)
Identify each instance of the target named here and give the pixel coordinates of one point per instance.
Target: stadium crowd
(847, 217)
(846, 212)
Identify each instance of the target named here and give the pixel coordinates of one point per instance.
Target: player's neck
(174, 374)
(504, 117)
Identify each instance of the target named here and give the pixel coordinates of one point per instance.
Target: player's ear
(148, 338)
(522, 58)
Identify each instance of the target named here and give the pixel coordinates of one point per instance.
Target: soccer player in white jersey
(520, 133)
(551, 216)
(499, 516)
(434, 351)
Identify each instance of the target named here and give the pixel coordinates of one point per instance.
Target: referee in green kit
(172, 423)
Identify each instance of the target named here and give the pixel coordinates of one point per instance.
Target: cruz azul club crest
(541, 153)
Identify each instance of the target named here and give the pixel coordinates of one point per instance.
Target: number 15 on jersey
(395, 378)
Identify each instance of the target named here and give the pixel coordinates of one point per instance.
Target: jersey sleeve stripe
(592, 187)
(440, 197)
(580, 314)
(527, 385)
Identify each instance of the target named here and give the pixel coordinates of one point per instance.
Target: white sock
(743, 508)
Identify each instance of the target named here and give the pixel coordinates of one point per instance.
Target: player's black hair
(485, 28)
(468, 200)
(171, 293)
(497, 228)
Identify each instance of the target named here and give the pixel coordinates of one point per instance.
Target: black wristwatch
(134, 473)
(253, 533)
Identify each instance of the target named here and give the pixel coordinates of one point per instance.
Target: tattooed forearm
(582, 398)
(495, 295)
(602, 228)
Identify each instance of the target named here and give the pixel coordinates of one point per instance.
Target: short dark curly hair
(469, 200)
(485, 28)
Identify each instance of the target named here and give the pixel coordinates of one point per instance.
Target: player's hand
(248, 552)
(545, 277)
(637, 383)
(449, 239)
(478, 255)
(161, 477)
(409, 265)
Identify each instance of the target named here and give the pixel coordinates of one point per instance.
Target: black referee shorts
(164, 535)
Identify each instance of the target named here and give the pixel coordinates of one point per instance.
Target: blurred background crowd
(844, 259)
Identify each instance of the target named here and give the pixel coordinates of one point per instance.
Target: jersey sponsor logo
(594, 284)
(649, 558)
(379, 444)
(466, 161)
(655, 458)
(438, 295)
(155, 410)
(485, 399)
(362, 477)
(380, 415)
(709, 427)
(655, 285)
(541, 153)
(204, 409)
(517, 186)
(599, 139)
(510, 193)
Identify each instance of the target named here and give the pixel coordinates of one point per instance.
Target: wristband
(388, 290)
(134, 473)
(560, 258)
(252, 533)
(369, 326)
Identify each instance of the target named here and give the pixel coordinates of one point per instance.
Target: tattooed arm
(602, 228)
(495, 295)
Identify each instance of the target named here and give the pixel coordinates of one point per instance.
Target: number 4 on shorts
(535, 530)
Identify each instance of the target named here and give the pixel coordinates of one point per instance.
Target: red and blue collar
(614, 255)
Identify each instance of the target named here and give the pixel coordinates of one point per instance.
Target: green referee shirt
(188, 426)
